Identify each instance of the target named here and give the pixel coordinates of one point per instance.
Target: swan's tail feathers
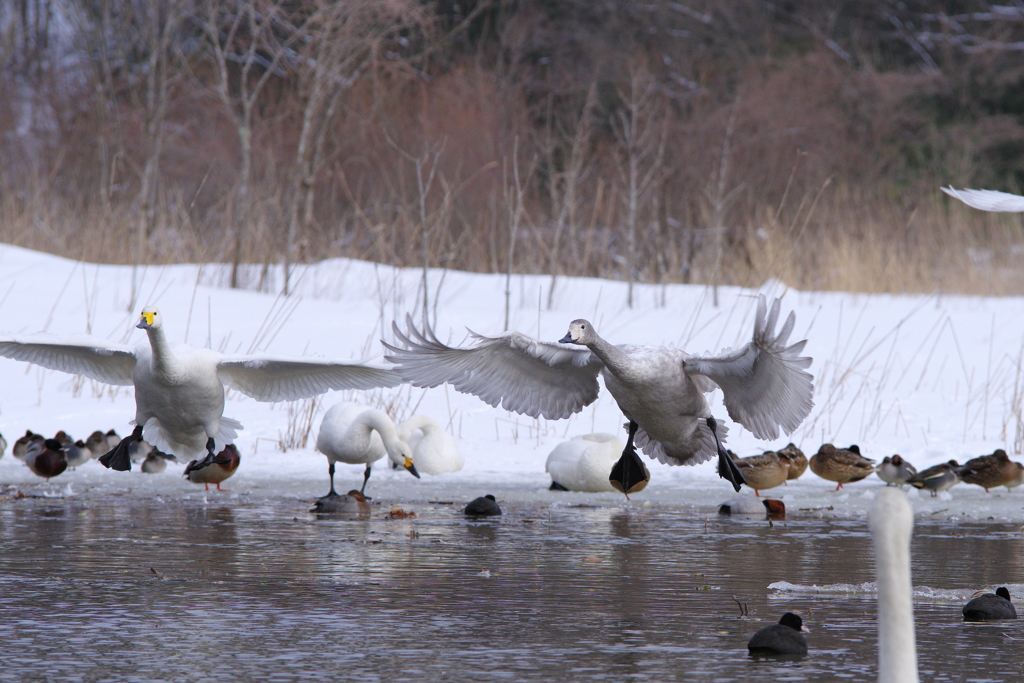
(154, 433)
(701, 447)
(228, 431)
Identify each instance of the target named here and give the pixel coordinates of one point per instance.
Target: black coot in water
(483, 506)
(990, 607)
(783, 638)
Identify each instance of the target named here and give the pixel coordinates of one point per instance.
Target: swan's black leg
(629, 474)
(727, 469)
(366, 478)
(210, 458)
(330, 470)
(118, 457)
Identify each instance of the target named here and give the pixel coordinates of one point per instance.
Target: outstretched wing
(512, 370)
(79, 355)
(764, 383)
(267, 378)
(988, 200)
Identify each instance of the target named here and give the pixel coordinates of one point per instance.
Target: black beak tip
(565, 340)
(412, 471)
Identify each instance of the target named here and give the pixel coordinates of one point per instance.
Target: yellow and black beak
(411, 468)
(147, 320)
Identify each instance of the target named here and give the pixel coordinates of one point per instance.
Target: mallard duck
(988, 471)
(895, 471)
(990, 606)
(796, 460)
(841, 465)
(1018, 480)
(765, 471)
(179, 389)
(75, 452)
(584, 463)
(224, 465)
(783, 638)
(22, 442)
(659, 389)
(433, 449)
(352, 503)
(360, 435)
(937, 477)
(156, 461)
(97, 443)
(484, 506)
(45, 457)
(743, 504)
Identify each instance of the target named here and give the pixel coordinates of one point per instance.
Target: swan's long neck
(613, 357)
(891, 521)
(422, 422)
(164, 361)
(378, 420)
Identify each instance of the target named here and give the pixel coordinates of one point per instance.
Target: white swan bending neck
(378, 420)
(891, 521)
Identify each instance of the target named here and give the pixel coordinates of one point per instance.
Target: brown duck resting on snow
(841, 465)
(989, 471)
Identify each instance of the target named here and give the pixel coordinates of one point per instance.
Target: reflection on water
(136, 590)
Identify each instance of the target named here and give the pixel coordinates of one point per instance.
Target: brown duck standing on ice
(224, 465)
(765, 471)
(988, 471)
(796, 460)
(841, 465)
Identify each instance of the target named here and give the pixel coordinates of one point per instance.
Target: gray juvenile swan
(988, 200)
(659, 389)
(891, 522)
(179, 389)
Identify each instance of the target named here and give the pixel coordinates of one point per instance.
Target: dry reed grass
(798, 176)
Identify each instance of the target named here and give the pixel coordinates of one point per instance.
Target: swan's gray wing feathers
(765, 385)
(267, 378)
(517, 372)
(988, 200)
(78, 355)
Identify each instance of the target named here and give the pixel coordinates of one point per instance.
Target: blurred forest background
(718, 141)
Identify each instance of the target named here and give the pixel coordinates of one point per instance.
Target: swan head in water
(580, 332)
(150, 319)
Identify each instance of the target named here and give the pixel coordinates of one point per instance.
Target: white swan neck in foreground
(166, 364)
(891, 521)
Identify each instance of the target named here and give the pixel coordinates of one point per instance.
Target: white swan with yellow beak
(179, 389)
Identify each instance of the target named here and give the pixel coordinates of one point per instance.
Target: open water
(133, 589)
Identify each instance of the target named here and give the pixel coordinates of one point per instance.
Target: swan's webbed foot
(555, 486)
(727, 468)
(210, 459)
(118, 458)
(629, 474)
